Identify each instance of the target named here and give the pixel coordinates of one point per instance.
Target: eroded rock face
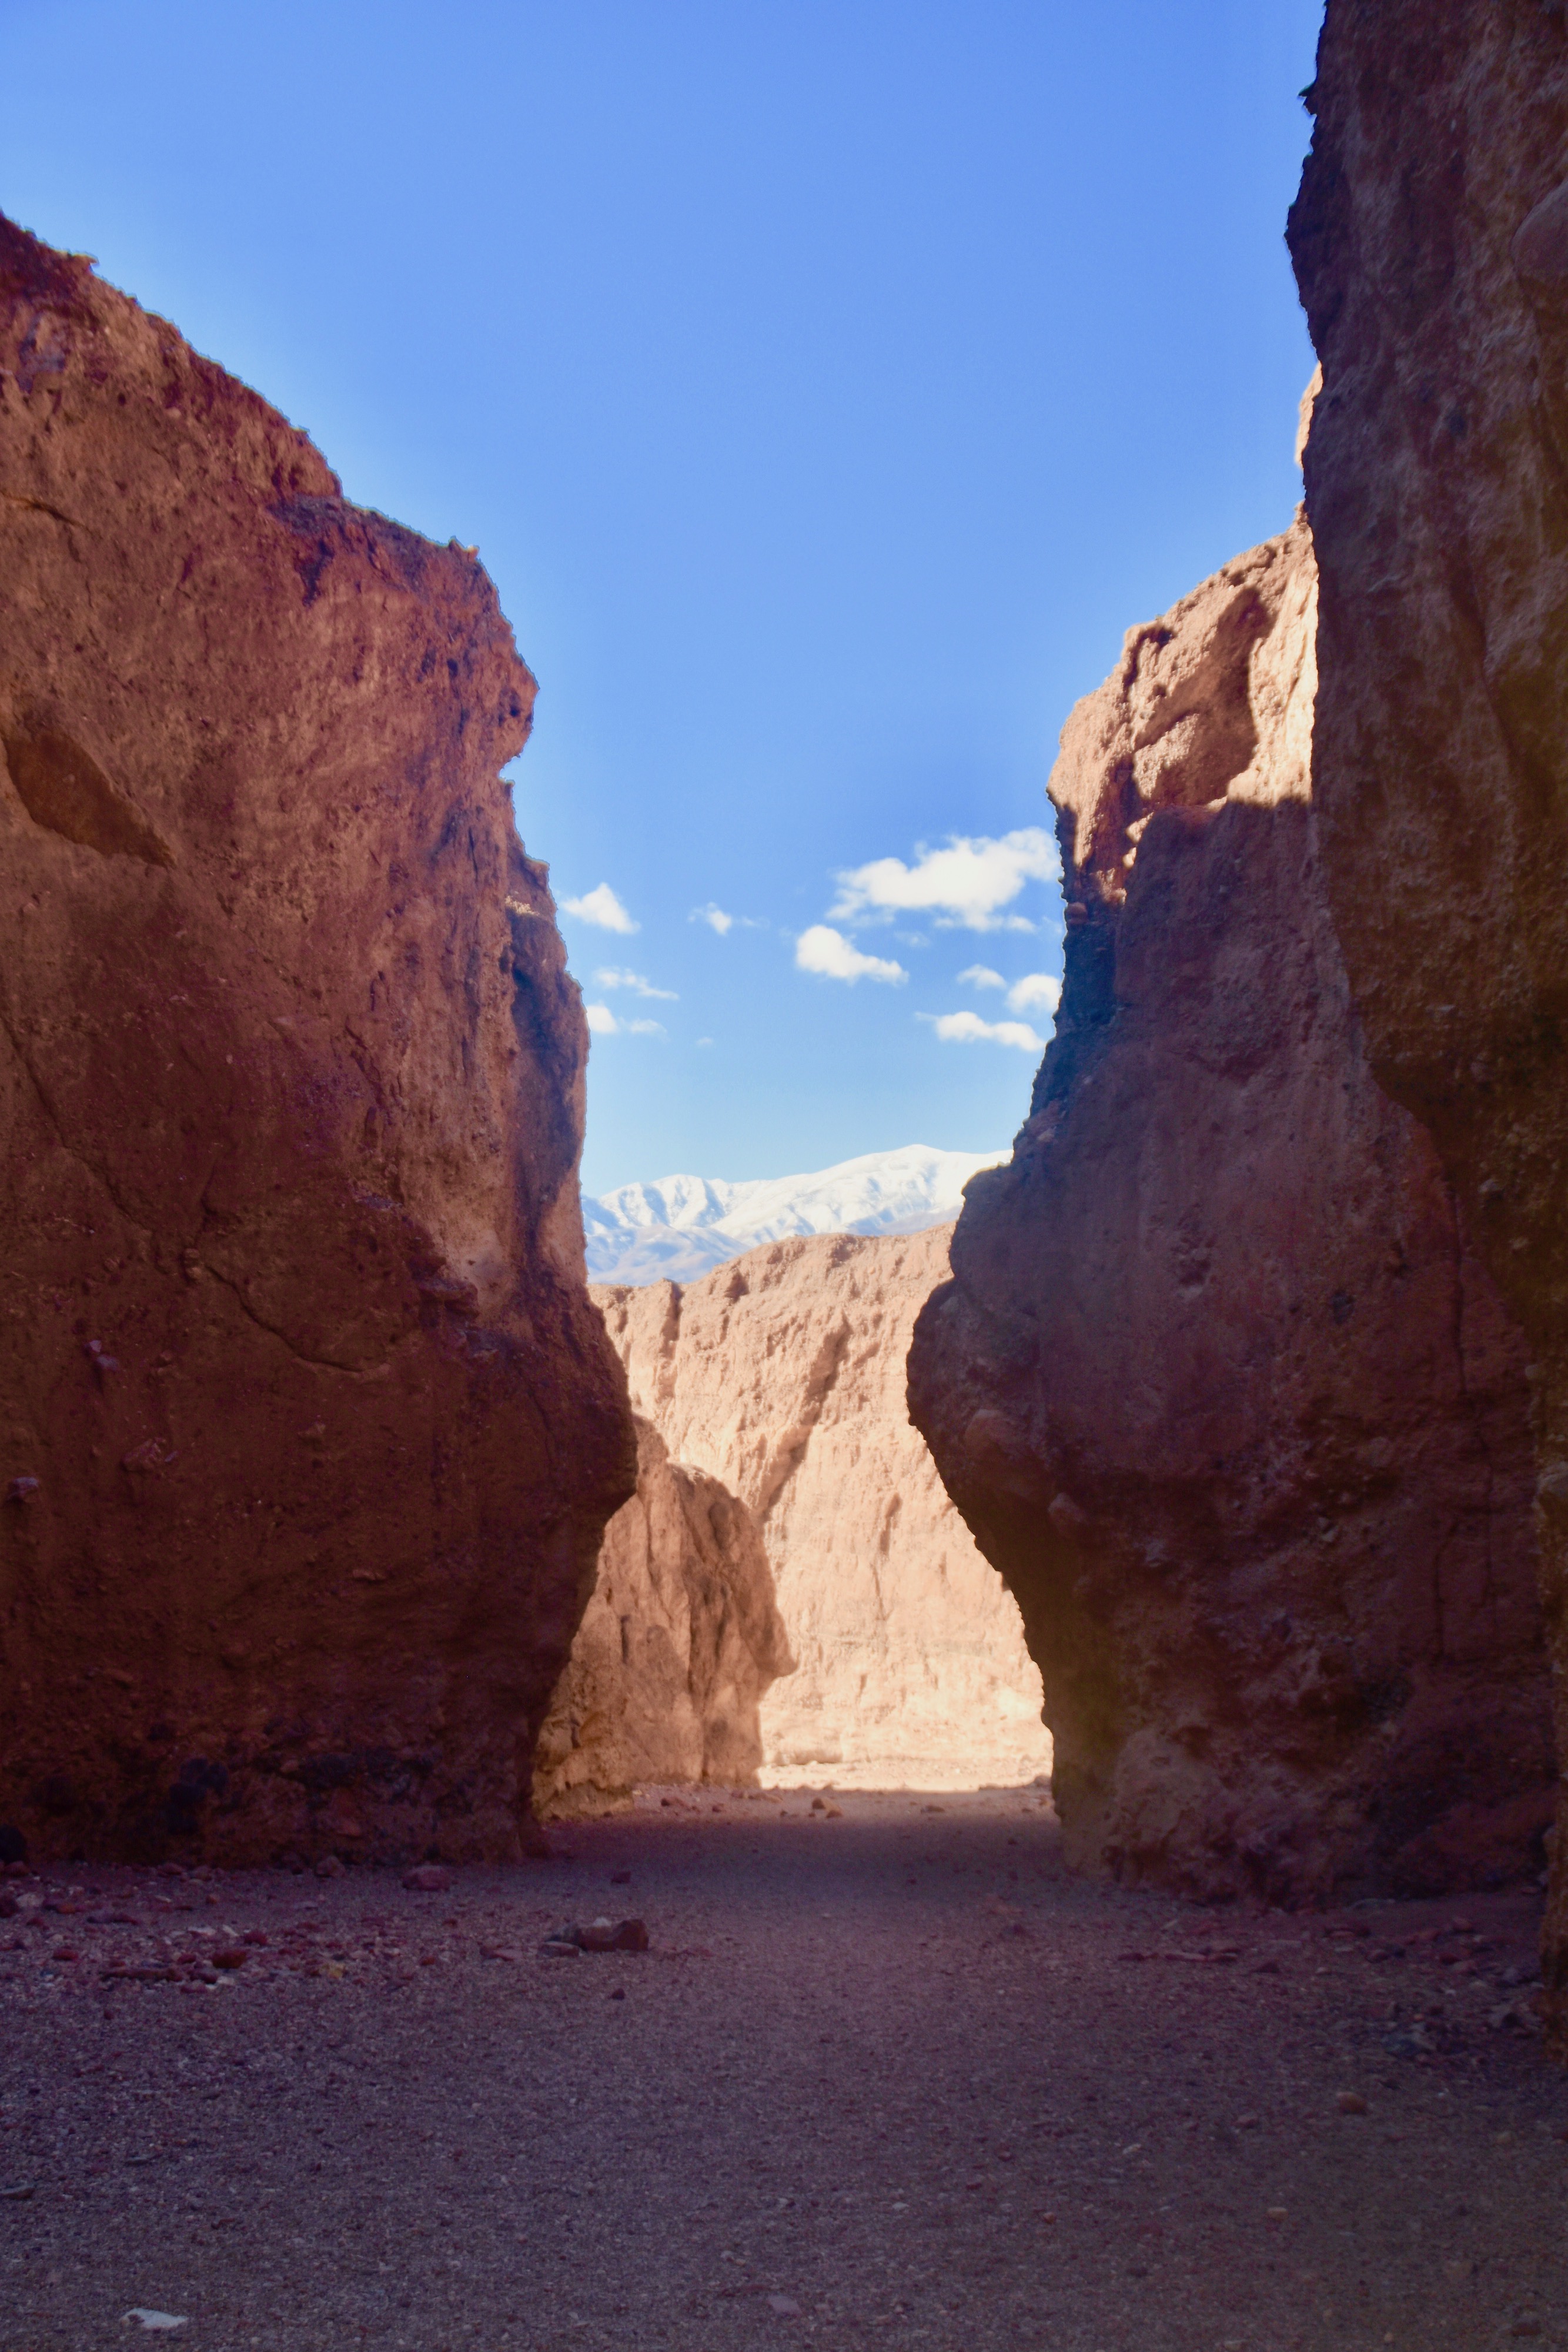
(309, 1428)
(1219, 1383)
(783, 1373)
(676, 1648)
(1431, 245)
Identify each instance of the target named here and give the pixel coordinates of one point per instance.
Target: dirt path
(893, 2078)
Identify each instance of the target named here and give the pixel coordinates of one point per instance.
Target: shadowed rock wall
(783, 1373)
(1219, 1383)
(1431, 245)
(308, 1430)
(675, 1649)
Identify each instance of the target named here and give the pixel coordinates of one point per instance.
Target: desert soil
(892, 2077)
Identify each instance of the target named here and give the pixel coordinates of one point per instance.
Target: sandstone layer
(1219, 1383)
(783, 1374)
(308, 1430)
(1431, 245)
(678, 1644)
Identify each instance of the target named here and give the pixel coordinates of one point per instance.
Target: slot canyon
(989, 1786)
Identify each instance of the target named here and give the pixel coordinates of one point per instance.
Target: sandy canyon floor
(890, 2078)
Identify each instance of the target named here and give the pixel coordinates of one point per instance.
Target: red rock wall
(1431, 245)
(308, 1430)
(1219, 1383)
(782, 1372)
(676, 1648)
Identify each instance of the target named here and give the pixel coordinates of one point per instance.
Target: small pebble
(427, 1878)
(1350, 2103)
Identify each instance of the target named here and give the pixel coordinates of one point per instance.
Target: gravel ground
(890, 2077)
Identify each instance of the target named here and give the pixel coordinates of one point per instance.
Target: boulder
(1430, 240)
(678, 1643)
(1218, 1383)
(308, 1429)
(783, 1374)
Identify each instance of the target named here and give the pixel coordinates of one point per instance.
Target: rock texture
(1219, 1383)
(1431, 244)
(783, 1374)
(678, 1644)
(308, 1430)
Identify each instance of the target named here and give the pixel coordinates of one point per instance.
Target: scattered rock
(622, 1935)
(156, 2322)
(229, 1956)
(1350, 2103)
(330, 1866)
(428, 1878)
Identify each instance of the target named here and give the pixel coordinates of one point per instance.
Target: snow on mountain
(681, 1226)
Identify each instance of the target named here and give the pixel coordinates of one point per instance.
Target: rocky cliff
(676, 1648)
(1431, 244)
(783, 1374)
(1218, 1383)
(308, 1430)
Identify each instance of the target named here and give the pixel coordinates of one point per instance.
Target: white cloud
(617, 977)
(717, 920)
(600, 906)
(826, 951)
(966, 884)
(603, 1024)
(968, 1029)
(1036, 990)
(980, 975)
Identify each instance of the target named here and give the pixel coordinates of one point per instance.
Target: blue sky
(827, 385)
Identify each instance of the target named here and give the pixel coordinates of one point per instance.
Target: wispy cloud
(604, 1024)
(1036, 991)
(980, 975)
(965, 886)
(600, 906)
(827, 952)
(717, 920)
(617, 977)
(968, 1029)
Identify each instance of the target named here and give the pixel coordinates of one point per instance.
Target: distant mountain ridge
(679, 1227)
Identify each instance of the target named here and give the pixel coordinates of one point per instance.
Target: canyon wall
(1219, 1383)
(1431, 245)
(678, 1644)
(783, 1373)
(308, 1430)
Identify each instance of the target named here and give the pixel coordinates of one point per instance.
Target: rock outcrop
(676, 1648)
(1431, 244)
(308, 1430)
(783, 1373)
(1219, 1383)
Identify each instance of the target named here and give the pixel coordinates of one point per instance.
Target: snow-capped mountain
(680, 1226)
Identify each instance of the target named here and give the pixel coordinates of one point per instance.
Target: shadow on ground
(886, 2078)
